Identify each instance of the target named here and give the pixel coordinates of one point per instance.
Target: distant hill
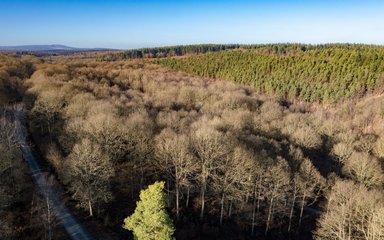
(52, 47)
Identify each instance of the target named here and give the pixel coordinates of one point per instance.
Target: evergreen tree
(315, 73)
(150, 219)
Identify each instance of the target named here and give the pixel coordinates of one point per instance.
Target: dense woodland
(19, 214)
(171, 51)
(236, 164)
(323, 73)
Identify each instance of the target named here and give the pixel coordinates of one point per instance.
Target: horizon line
(192, 44)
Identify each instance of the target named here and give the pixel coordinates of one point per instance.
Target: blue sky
(130, 24)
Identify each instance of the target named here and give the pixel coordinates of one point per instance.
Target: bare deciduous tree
(276, 186)
(44, 212)
(365, 169)
(353, 212)
(258, 192)
(232, 176)
(173, 155)
(342, 151)
(47, 107)
(210, 147)
(310, 184)
(11, 168)
(89, 172)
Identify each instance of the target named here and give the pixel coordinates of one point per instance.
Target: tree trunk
(90, 208)
(258, 199)
(230, 208)
(253, 217)
(168, 198)
(269, 216)
(222, 208)
(177, 201)
(292, 207)
(253, 210)
(32, 207)
(132, 184)
(141, 175)
(349, 229)
(49, 130)
(202, 201)
(187, 202)
(302, 209)
(328, 204)
(49, 220)
(223, 200)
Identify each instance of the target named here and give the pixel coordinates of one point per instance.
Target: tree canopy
(323, 73)
(150, 221)
(159, 52)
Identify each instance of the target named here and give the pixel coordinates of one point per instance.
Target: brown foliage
(219, 144)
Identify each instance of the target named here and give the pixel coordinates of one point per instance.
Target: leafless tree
(44, 212)
(47, 107)
(174, 157)
(258, 192)
(209, 147)
(309, 184)
(276, 186)
(232, 176)
(342, 151)
(353, 212)
(365, 169)
(89, 171)
(11, 168)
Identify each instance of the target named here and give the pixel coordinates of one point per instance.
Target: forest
(171, 51)
(263, 156)
(315, 73)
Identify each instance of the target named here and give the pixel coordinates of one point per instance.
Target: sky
(125, 24)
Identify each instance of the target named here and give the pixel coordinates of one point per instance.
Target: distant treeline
(181, 50)
(168, 51)
(317, 73)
